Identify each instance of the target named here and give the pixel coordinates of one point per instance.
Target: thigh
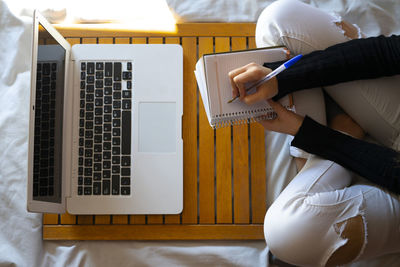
(374, 105)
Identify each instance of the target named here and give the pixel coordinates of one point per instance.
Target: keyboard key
(98, 139)
(88, 162)
(96, 188)
(125, 190)
(115, 184)
(99, 83)
(107, 90)
(83, 66)
(116, 104)
(88, 143)
(107, 100)
(96, 168)
(108, 69)
(90, 97)
(107, 118)
(106, 174)
(106, 155)
(87, 190)
(125, 181)
(116, 150)
(90, 79)
(107, 127)
(117, 86)
(97, 157)
(117, 71)
(107, 136)
(117, 95)
(107, 109)
(125, 160)
(99, 65)
(116, 114)
(126, 133)
(87, 181)
(116, 141)
(83, 76)
(80, 190)
(129, 66)
(127, 75)
(126, 94)
(99, 75)
(99, 93)
(88, 172)
(88, 153)
(115, 170)
(128, 85)
(98, 120)
(90, 67)
(125, 171)
(98, 111)
(108, 82)
(90, 88)
(107, 146)
(115, 160)
(117, 122)
(89, 125)
(116, 132)
(106, 187)
(126, 104)
(98, 129)
(89, 106)
(107, 165)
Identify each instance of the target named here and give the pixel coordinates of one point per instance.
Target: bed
(21, 232)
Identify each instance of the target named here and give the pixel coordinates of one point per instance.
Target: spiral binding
(244, 117)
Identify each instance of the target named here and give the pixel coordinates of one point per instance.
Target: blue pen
(273, 73)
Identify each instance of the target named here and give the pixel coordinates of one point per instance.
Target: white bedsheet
(20, 231)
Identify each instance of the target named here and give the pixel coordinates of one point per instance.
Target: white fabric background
(20, 231)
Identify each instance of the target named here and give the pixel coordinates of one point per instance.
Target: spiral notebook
(215, 88)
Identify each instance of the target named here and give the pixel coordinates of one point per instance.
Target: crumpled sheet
(20, 232)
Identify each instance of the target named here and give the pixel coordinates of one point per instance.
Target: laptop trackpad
(157, 127)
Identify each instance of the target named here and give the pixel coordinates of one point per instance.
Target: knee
(269, 23)
(303, 235)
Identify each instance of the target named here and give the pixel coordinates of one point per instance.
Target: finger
(276, 106)
(269, 125)
(246, 77)
(232, 74)
(254, 98)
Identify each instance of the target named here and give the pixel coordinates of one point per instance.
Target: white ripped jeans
(300, 227)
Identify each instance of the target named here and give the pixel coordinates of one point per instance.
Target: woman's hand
(252, 73)
(287, 121)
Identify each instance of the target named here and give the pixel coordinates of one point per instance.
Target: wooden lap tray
(224, 169)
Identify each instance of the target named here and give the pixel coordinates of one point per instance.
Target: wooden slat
(258, 173)
(172, 219)
(50, 218)
(153, 232)
(67, 219)
(206, 152)
(189, 131)
(224, 158)
(102, 219)
(241, 194)
(184, 30)
(85, 219)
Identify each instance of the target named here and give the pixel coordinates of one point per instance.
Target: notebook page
(199, 73)
(219, 88)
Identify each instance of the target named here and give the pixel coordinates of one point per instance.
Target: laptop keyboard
(105, 128)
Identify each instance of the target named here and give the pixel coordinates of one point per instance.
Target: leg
(288, 23)
(319, 219)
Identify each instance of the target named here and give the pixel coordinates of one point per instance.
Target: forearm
(376, 163)
(353, 60)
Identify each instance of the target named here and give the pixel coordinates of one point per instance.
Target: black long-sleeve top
(353, 60)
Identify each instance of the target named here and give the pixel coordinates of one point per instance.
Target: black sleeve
(379, 164)
(353, 60)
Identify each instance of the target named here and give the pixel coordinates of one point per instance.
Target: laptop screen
(48, 118)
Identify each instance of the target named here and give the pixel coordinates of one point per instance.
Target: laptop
(105, 126)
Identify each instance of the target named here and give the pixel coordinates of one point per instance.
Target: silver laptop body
(105, 127)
